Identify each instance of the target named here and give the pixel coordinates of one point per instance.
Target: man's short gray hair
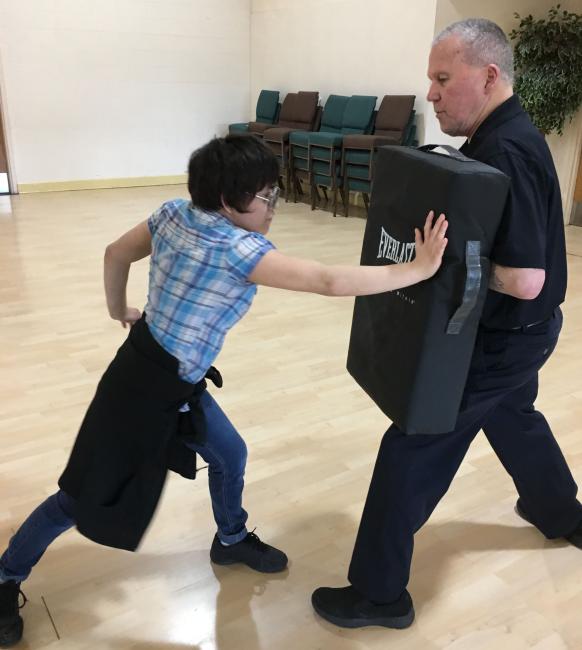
(485, 42)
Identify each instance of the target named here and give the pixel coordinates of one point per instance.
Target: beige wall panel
(120, 88)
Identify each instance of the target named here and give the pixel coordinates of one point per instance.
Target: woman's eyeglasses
(271, 198)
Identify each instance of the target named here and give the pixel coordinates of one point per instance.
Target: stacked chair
(331, 122)
(325, 147)
(299, 112)
(394, 125)
(331, 148)
(267, 112)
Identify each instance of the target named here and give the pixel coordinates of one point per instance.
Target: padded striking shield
(410, 349)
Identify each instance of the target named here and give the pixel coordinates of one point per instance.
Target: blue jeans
(224, 451)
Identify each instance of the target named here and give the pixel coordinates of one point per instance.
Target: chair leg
(335, 201)
(324, 190)
(344, 196)
(366, 202)
(317, 194)
(298, 186)
(288, 181)
(288, 169)
(347, 202)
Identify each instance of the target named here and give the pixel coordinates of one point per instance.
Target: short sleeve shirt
(531, 233)
(198, 282)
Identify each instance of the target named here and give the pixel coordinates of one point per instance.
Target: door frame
(12, 184)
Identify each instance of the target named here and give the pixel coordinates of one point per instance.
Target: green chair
(394, 126)
(325, 149)
(267, 112)
(331, 122)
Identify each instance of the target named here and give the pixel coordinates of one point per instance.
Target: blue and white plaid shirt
(198, 286)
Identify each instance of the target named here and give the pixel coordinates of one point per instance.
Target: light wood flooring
(482, 578)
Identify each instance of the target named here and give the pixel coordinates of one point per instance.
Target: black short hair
(231, 169)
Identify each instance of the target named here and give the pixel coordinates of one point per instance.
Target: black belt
(524, 328)
(519, 328)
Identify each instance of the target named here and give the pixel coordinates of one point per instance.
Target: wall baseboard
(101, 183)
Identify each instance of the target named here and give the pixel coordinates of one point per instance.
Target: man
(471, 76)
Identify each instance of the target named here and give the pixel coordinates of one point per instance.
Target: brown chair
(299, 112)
(394, 126)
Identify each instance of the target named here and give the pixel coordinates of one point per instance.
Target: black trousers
(413, 472)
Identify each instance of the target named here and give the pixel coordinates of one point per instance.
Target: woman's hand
(430, 245)
(129, 317)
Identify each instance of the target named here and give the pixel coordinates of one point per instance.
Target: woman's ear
(225, 208)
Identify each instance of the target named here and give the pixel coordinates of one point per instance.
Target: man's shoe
(575, 537)
(250, 551)
(10, 621)
(346, 607)
(521, 512)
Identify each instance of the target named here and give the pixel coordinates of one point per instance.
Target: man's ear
(493, 76)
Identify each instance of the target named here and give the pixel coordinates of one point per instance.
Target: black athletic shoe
(521, 512)
(575, 537)
(10, 621)
(346, 607)
(250, 551)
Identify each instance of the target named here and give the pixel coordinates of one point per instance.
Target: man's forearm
(496, 281)
(521, 283)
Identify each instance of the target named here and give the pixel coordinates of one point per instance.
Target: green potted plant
(548, 65)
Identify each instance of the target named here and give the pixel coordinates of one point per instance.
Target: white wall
(379, 47)
(119, 88)
(373, 47)
(566, 148)
(127, 88)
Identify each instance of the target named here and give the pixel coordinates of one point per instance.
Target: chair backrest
(317, 119)
(358, 114)
(394, 115)
(333, 112)
(267, 106)
(409, 135)
(299, 110)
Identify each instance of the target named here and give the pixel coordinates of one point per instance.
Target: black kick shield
(410, 349)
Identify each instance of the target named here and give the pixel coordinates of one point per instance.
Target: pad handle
(453, 153)
(472, 287)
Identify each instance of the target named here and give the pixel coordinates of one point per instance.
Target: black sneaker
(250, 551)
(10, 621)
(346, 607)
(575, 537)
(521, 512)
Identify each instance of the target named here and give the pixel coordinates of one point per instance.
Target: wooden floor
(482, 578)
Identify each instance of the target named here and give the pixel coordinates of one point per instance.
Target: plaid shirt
(198, 287)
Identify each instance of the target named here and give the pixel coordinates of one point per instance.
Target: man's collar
(509, 109)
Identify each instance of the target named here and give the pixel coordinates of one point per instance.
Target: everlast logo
(394, 250)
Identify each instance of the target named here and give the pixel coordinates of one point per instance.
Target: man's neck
(494, 102)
